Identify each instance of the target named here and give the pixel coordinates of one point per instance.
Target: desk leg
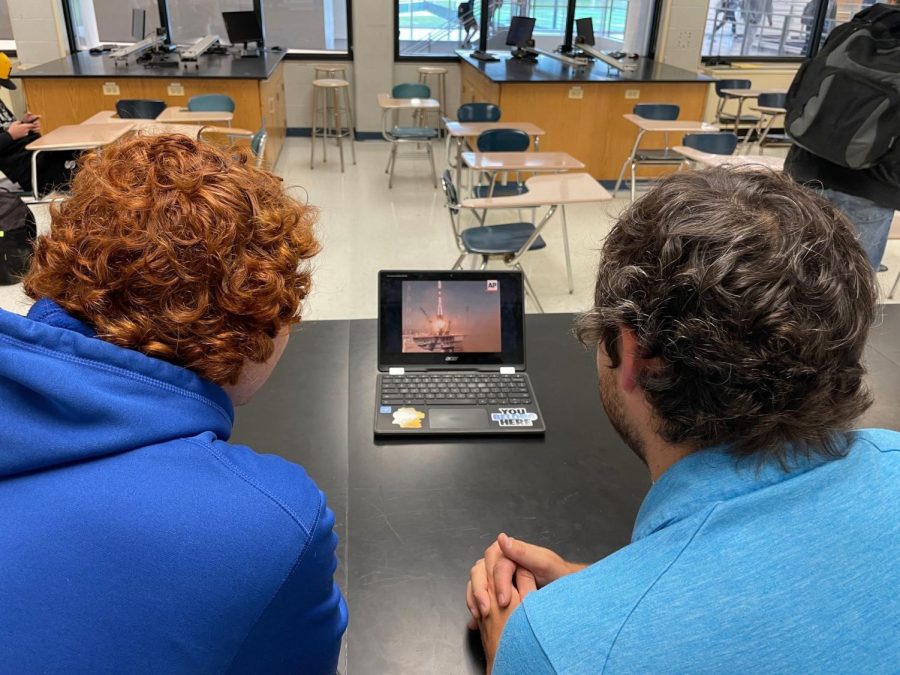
(34, 181)
(565, 230)
(765, 132)
(459, 143)
(628, 160)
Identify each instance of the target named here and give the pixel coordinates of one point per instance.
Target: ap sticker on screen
(492, 286)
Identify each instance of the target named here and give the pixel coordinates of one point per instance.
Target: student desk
(178, 115)
(413, 515)
(71, 89)
(460, 131)
(709, 159)
(553, 191)
(75, 137)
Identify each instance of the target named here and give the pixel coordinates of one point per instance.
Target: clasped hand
(21, 128)
(510, 570)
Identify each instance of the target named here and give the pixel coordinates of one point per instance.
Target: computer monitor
(520, 30)
(243, 27)
(138, 24)
(584, 28)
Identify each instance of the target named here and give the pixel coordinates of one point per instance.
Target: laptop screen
(450, 319)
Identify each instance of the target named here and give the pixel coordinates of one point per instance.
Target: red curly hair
(180, 250)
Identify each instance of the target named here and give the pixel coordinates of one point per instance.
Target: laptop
(451, 355)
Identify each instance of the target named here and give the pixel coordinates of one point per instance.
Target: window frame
(289, 55)
(818, 25)
(656, 15)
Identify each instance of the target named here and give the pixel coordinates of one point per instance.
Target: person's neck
(660, 456)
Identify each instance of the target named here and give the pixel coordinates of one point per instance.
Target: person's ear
(630, 362)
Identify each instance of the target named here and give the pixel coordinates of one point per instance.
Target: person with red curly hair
(134, 537)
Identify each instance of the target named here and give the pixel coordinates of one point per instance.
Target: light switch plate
(576, 92)
(175, 89)
(632, 93)
(110, 89)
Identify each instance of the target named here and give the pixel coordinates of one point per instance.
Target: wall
(681, 32)
(39, 29)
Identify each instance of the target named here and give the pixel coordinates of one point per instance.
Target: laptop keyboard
(455, 389)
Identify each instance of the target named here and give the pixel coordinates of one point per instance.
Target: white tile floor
(365, 227)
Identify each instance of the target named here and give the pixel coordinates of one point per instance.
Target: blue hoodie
(133, 537)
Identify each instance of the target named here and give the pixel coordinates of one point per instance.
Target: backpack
(844, 103)
(18, 230)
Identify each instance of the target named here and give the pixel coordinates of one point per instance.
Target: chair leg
(565, 233)
(633, 178)
(529, 289)
(620, 179)
(484, 262)
(393, 163)
(459, 261)
(894, 287)
(431, 158)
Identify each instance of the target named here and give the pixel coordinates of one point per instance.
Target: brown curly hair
(755, 297)
(180, 250)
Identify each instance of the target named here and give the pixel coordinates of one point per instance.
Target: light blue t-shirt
(735, 568)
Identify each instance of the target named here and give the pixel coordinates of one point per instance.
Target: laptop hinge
(507, 370)
(396, 371)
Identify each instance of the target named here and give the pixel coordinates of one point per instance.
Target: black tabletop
(412, 516)
(509, 70)
(211, 66)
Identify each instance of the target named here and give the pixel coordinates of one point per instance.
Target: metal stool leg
(312, 138)
(352, 130)
(339, 132)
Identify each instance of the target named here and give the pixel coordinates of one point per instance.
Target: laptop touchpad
(457, 418)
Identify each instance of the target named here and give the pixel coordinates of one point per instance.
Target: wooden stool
(331, 97)
(440, 88)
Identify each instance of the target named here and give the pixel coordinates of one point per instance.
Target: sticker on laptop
(492, 286)
(408, 418)
(514, 417)
(385, 410)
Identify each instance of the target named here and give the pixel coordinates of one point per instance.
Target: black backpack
(844, 104)
(18, 230)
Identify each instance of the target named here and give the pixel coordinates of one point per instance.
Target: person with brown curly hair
(134, 537)
(730, 315)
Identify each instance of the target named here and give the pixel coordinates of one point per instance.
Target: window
(296, 25)
(96, 22)
(299, 26)
(440, 27)
(770, 28)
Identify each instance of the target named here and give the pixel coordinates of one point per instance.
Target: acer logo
(451, 358)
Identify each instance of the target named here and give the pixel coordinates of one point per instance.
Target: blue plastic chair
(664, 156)
(501, 140)
(508, 241)
(761, 133)
(211, 103)
(729, 118)
(478, 112)
(139, 109)
(398, 135)
(715, 143)
(258, 145)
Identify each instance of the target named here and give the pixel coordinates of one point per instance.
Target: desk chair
(139, 109)
(257, 140)
(501, 140)
(715, 143)
(768, 103)
(729, 118)
(472, 112)
(509, 241)
(211, 102)
(398, 135)
(667, 112)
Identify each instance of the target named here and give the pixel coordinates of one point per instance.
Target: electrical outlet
(110, 89)
(175, 89)
(632, 93)
(576, 92)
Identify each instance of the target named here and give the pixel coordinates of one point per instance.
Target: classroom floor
(364, 227)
